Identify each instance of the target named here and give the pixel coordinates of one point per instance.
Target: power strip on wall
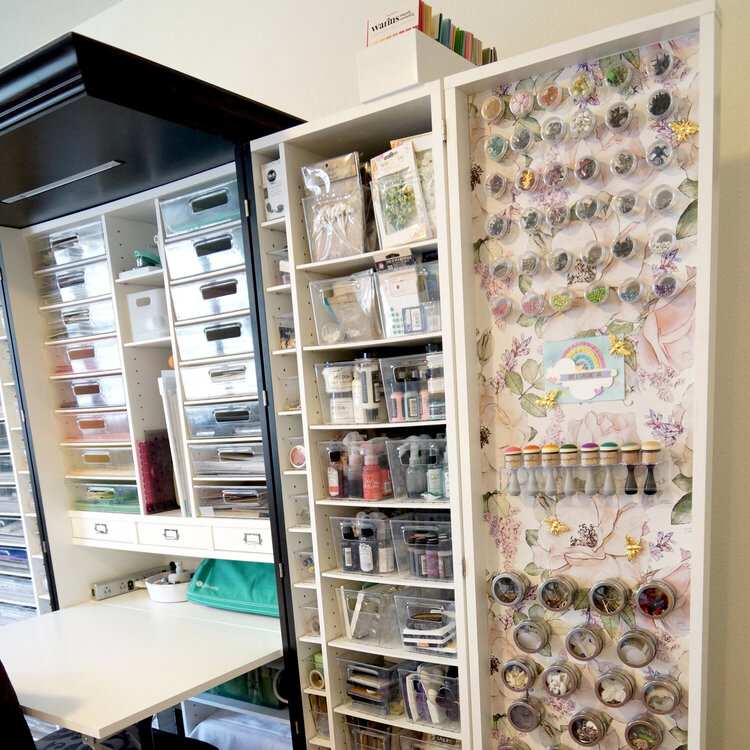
(124, 584)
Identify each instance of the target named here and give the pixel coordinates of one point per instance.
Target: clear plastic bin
(111, 426)
(310, 621)
(414, 387)
(18, 590)
(416, 743)
(289, 397)
(363, 545)
(108, 497)
(345, 309)
(203, 382)
(234, 459)
(427, 621)
(419, 683)
(4, 442)
(10, 613)
(371, 686)
(238, 419)
(336, 223)
(68, 246)
(423, 545)
(234, 501)
(214, 296)
(286, 337)
(88, 356)
(367, 735)
(90, 319)
(320, 717)
(409, 299)
(9, 500)
(281, 263)
(14, 560)
(88, 393)
(218, 338)
(296, 454)
(304, 561)
(313, 672)
(419, 470)
(11, 530)
(368, 614)
(70, 284)
(6, 467)
(355, 468)
(351, 392)
(148, 314)
(100, 461)
(205, 207)
(211, 251)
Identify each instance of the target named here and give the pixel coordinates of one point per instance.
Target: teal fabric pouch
(237, 585)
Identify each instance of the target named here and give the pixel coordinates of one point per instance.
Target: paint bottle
(372, 475)
(446, 475)
(349, 548)
(397, 401)
(335, 473)
(424, 394)
(416, 475)
(386, 560)
(368, 550)
(354, 472)
(367, 371)
(431, 556)
(445, 556)
(385, 470)
(435, 382)
(434, 472)
(411, 397)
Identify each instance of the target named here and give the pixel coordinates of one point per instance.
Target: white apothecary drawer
(208, 252)
(112, 530)
(248, 536)
(174, 535)
(206, 207)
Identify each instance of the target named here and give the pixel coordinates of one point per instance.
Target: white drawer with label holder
(245, 536)
(174, 535)
(105, 530)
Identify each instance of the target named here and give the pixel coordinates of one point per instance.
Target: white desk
(99, 667)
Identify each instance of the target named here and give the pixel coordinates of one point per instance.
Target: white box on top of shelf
(404, 61)
(148, 314)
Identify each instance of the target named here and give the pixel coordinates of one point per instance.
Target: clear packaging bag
(336, 223)
(410, 299)
(340, 174)
(422, 145)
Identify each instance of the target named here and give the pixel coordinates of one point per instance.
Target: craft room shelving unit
(367, 129)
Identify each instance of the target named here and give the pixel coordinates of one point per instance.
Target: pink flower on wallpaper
(600, 427)
(667, 334)
(594, 545)
(677, 622)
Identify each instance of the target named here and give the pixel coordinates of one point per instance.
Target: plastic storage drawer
(11, 530)
(427, 621)
(90, 319)
(71, 284)
(208, 252)
(109, 497)
(11, 613)
(88, 393)
(17, 590)
(101, 427)
(6, 467)
(219, 338)
(14, 560)
(204, 382)
(4, 443)
(100, 462)
(239, 419)
(206, 207)
(88, 356)
(9, 500)
(371, 686)
(221, 294)
(367, 735)
(235, 501)
(69, 246)
(235, 459)
(369, 614)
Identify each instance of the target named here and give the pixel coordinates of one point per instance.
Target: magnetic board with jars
(584, 185)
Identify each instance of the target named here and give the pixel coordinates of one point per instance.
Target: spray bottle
(416, 475)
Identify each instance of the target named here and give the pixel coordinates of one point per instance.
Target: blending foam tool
(569, 459)
(590, 459)
(532, 460)
(608, 455)
(513, 461)
(630, 456)
(550, 461)
(650, 453)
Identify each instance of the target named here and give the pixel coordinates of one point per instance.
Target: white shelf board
(211, 440)
(289, 413)
(215, 360)
(101, 478)
(393, 652)
(309, 585)
(295, 473)
(277, 225)
(380, 425)
(282, 352)
(320, 741)
(93, 444)
(242, 707)
(414, 339)
(163, 342)
(84, 374)
(279, 289)
(314, 691)
(153, 279)
(230, 478)
(89, 409)
(348, 709)
(309, 639)
(393, 579)
(300, 529)
(358, 502)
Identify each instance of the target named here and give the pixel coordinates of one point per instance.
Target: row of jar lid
(614, 688)
(589, 454)
(582, 87)
(654, 599)
(587, 728)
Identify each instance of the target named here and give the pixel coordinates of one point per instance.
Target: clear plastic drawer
(68, 246)
(235, 501)
(89, 356)
(206, 207)
(87, 393)
(203, 382)
(11, 530)
(100, 461)
(14, 560)
(4, 443)
(215, 339)
(109, 497)
(71, 284)
(12, 613)
(222, 294)
(80, 320)
(9, 500)
(6, 467)
(207, 252)
(17, 590)
(427, 621)
(372, 686)
(111, 426)
(239, 419)
(233, 459)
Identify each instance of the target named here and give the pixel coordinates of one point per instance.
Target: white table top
(98, 667)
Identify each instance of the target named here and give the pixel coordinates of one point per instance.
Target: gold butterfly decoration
(556, 526)
(549, 399)
(683, 129)
(618, 347)
(632, 547)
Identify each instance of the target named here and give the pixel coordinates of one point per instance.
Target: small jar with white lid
(509, 588)
(609, 597)
(588, 727)
(637, 648)
(531, 635)
(502, 268)
(526, 714)
(553, 130)
(495, 185)
(493, 108)
(661, 694)
(558, 215)
(557, 593)
(644, 731)
(659, 154)
(559, 260)
(663, 199)
(615, 688)
(583, 643)
(561, 679)
(518, 674)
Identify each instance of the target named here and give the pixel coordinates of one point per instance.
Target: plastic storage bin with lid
(111, 426)
(77, 321)
(90, 392)
(68, 246)
(148, 314)
(210, 251)
(238, 459)
(106, 461)
(206, 207)
(108, 497)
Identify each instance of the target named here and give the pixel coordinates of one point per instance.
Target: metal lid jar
(615, 688)
(588, 727)
(584, 643)
(557, 593)
(561, 679)
(636, 648)
(531, 636)
(509, 588)
(609, 597)
(526, 714)
(518, 674)
(645, 732)
(661, 694)
(655, 599)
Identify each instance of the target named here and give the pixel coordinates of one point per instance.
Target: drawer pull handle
(209, 201)
(91, 424)
(252, 538)
(79, 316)
(86, 389)
(247, 498)
(231, 415)
(80, 352)
(171, 535)
(214, 245)
(225, 374)
(143, 301)
(228, 454)
(71, 239)
(219, 333)
(101, 528)
(67, 280)
(96, 457)
(219, 289)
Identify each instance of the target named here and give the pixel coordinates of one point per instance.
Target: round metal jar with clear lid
(615, 688)
(532, 635)
(493, 108)
(661, 694)
(522, 139)
(584, 643)
(659, 154)
(655, 599)
(509, 588)
(531, 220)
(645, 732)
(561, 679)
(636, 648)
(495, 185)
(502, 268)
(518, 674)
(501, 305)
(588, 727)
(526, 714)
(557, 593)
(609, 597)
